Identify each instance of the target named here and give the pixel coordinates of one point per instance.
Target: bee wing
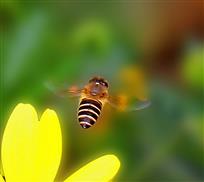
(72, 91)
(124, 103)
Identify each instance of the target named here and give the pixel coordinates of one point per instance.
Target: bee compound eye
(94, 79)
(104, 83)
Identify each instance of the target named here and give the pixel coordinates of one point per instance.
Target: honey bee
(94, 95)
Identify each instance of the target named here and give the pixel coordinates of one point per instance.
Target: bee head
(98, 86)
(99, 81)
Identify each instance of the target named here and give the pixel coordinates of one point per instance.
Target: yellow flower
(32, 148)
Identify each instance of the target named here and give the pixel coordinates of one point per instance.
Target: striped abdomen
(88, 112)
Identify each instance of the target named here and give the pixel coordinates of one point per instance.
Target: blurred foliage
(193, 66)
(138, 45)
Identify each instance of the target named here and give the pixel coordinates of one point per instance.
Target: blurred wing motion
(124, 103)
(72, 91)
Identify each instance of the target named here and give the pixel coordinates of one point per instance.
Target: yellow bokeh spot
(100, 170)
(133, 81)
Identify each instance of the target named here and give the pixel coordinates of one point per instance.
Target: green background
(59, 43)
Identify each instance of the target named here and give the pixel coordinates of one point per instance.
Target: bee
(94, 95)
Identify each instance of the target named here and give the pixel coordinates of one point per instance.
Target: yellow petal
(31, 150)
(49, 146)
(1, 169)
(100, 170)
(16, 142)
(1, 178)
